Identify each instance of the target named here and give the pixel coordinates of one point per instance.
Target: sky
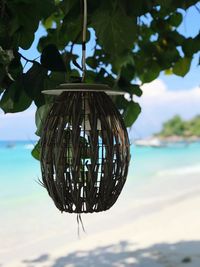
(163, 98)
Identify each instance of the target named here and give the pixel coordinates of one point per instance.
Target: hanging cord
(83, 63)
(84, 39)
(79, 221)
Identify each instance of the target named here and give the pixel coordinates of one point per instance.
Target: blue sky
(163, 98)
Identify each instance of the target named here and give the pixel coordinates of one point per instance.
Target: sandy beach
(158, 227)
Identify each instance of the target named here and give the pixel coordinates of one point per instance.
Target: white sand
(159, 227)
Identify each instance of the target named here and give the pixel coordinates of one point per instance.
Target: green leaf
(24, 19)
(15, 67)
(151, 73)
(92, 62)
(54, 79)
(175, 19)
(169, 72)
(51, 59)
(33, 81)
(120, 102)
(124, 61)
(182, 66)
(190, 45)
(2, 73)
(111, 28)
(128, 72)
(36, 152)
(1, 91)
(70, 7)
(40, 117)
(135, 8)
(131, 113)
(6, 56)
(71, 29)
(125, 85)
(15, 98)
(48, 23)
(135, 90)
(4, 28)
(24, 38)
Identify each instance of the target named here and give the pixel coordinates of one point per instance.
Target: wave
(194, 169)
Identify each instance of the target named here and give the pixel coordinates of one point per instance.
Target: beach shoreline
(162, 222)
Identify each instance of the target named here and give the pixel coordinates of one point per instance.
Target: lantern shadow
(40, 259)
(123, 254)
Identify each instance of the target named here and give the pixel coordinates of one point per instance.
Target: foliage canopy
(134, 40)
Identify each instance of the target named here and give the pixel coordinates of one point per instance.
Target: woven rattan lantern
(84, 146)
(85, 149)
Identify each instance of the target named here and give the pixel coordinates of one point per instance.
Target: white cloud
(24, 114)
(160, 104)
(158, 91)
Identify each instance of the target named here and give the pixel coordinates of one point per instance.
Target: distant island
(177, 129)
(174, 131)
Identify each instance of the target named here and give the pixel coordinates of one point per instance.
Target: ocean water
(19, 171)
(30, 225)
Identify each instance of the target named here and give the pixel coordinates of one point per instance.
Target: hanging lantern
(85, 149)
(84, 146)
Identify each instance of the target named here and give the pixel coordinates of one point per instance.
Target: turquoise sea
(19, 171)
(31, 226)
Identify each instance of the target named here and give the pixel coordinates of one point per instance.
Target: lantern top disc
(82, 87)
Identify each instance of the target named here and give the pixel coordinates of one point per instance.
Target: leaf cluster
(132, 41)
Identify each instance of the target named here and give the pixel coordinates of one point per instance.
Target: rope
(84, 40)
(79, 221)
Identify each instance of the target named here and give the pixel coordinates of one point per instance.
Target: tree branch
(197, 8)
(28, 60)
